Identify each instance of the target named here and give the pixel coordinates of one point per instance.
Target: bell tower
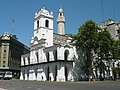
(61, 22)
(43, 27)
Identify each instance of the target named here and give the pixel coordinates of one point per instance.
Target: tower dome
(60, 10)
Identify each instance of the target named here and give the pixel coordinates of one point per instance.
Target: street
(37, 85)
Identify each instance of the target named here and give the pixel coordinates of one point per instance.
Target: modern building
(113, 27)
(10, 54)
(51, 56)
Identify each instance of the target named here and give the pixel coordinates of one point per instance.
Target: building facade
(113, 27)
(51, 56)
(10, 54)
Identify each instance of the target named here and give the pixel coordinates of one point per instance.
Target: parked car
(8, 75)
(2, 75)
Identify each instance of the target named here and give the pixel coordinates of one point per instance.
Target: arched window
(24, 61)
(55, 55)
(47, 56)
(38, 24)
(55, 78)
(46, 23)
(66, 73)
(28, 60)
(36, 71)
(37, 56)
(48, 71)
(23, 73)
(42, 78)
(60, 14)
(66, 53)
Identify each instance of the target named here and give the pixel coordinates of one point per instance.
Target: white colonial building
(51, 57)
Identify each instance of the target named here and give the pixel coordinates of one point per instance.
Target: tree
(85, 41)
(95, 47)
(115, 56)
(103, 51)
(115, 49)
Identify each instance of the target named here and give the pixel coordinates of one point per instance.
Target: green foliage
(115, 49)
(86, 40)
(104, 44)
(88, 34)
(92, 40)
(103, 50)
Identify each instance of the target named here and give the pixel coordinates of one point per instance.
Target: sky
(76, 13)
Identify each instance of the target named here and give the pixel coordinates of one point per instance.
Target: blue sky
(76, 13)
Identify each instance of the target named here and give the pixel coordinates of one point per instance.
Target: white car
(8, 75)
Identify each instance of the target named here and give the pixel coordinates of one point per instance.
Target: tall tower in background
(61, 22)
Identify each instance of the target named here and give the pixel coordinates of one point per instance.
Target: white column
(32, 75)
(61, 74)
(26, 77)
(22, 61)
(21, 75)
(39, 74)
